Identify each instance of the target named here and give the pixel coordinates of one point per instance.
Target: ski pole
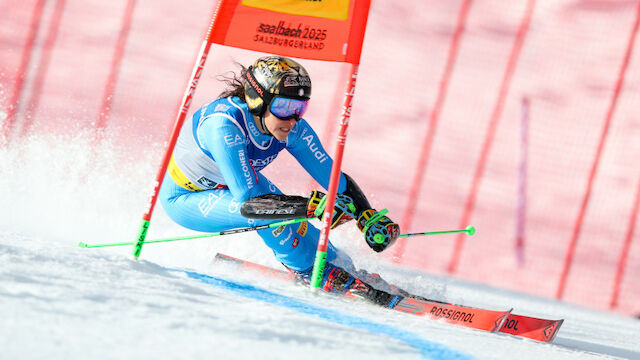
(470, 230)
(189, 237)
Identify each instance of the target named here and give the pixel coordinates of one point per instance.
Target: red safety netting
(448, 80)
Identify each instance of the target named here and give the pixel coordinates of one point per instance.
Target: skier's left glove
(344, 209)
(380, 232)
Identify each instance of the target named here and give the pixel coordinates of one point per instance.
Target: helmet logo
(291, 81)
(254, 84)
(305, 81)
(253, 103)
(300, 92)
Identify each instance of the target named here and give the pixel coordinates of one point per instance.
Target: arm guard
(355, 193)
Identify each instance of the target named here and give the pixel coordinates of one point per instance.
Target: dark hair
(235, 85)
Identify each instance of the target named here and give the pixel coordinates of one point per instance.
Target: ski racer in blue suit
(215, 169)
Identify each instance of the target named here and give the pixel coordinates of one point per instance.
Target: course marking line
(427, 349)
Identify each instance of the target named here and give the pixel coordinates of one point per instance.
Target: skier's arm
(380, 232)
(303, 143)
(305, 146)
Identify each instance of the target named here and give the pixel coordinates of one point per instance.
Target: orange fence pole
(43, 67)
(107, 96)
(594, 167)
(493, 126)
(9, 122)
(425, 151)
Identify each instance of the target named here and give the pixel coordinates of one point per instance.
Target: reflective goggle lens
(286, 108)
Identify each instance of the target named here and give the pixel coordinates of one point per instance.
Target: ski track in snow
(99, 303)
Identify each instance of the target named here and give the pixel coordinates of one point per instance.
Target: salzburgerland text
(299, 44)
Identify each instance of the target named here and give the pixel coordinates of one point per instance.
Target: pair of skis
(543, 330)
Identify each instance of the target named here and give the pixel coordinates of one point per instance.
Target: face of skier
(278, 128)
(282, 115)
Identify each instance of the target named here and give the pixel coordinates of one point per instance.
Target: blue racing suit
(216, 166)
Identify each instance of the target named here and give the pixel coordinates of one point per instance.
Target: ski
(481, 319)
(543, 330)
(530, 327)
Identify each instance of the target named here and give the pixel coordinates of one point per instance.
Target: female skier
(221, 149)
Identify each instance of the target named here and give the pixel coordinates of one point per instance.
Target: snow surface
(58, 301)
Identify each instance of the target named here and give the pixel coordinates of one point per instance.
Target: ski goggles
(286, 108)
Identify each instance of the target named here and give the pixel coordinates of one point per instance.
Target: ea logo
(234, 206)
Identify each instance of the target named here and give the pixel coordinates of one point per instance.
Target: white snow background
(59, 301)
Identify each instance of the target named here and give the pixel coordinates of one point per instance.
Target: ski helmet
(272, 76)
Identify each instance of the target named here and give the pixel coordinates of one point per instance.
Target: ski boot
(338, 281)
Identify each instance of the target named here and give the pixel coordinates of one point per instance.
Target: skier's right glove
(379, 231)
(344, 209)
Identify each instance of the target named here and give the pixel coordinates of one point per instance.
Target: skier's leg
(215, 210)
(208, 211)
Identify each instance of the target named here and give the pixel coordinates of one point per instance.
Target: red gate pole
(27, 49)
(43, 67)
(594, 167)
(182, 114)
(416, 183)
(493, 125)
(332, 192)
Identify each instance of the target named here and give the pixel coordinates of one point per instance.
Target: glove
(344, 209)
(379, 231)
